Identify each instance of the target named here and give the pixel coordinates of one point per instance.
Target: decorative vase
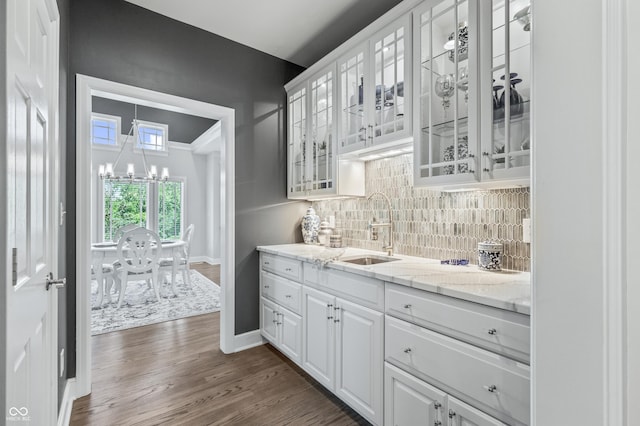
(310, 226)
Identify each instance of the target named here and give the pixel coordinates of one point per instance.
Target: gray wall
(118, 41)
(65, 316)
(183, 128)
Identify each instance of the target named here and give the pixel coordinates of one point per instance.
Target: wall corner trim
(64, 415)
(248, 340)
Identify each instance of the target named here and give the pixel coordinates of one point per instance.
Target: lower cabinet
(410, 401)
(343, 350)
(282, 328)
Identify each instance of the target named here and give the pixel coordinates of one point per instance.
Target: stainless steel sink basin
(368, 259)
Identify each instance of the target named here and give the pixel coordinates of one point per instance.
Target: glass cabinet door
(320, 151)
(352, 93)
(297, 141)
(391, 114)
(446, 141)
(510, 151)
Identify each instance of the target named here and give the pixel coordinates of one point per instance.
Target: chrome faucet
(374, 225)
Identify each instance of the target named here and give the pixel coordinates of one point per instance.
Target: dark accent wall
(64, 316)
(118, 41)
(183, 128)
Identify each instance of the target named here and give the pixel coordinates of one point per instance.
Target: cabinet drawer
(500, 331)
(282, 266)
(282, 291)
(356, 288)
(488, 381)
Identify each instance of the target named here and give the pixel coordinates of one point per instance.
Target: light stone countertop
(510, 290)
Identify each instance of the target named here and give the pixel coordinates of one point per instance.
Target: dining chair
(108, 271)
(138, 253)
(181, 263)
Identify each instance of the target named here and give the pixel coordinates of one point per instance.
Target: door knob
(59, 283)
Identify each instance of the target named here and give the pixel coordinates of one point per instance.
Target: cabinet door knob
(491, 388)
(492, 331)
(266, 263)
(288, 296)
(486, 170)
(437, 405)
(407, 306)
(407, 350)
(266, 286)
(452, 414)
(288, 269)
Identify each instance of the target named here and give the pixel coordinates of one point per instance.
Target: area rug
(141, 308)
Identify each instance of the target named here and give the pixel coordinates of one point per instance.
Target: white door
(31, 231)
(461, 414)
(290, 338)
(269, 319)
(359, 358)
(318, 345)
(408, 401)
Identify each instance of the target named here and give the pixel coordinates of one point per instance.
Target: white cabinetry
(314, 168)
(435, 341)
(472, 77)
(410, 401)
(280, 305)
(374, 101)
(342, 349)
(282, 328)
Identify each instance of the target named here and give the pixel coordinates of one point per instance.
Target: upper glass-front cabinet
(446, 138)
(472, 98)
(507, 151)
(313, 165)
(375, 88)
(311, 137)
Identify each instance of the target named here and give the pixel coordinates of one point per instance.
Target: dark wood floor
(174, 373)
(210, 271)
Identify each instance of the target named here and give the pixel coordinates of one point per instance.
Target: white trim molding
(248, 340)
(66, 407)
(614, 189)
(86, 87)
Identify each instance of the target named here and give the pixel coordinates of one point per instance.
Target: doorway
(86, 88)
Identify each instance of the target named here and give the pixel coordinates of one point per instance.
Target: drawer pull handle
(288, 269)
(492, 389)
(407, 306)
(278, 323)
(288, 296)
(437, 423)
(266, 263)
(266, 286)
(407, 351)
(492, 331)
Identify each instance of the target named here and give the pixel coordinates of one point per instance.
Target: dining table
(107, 252)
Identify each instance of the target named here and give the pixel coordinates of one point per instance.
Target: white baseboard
(248, 340)
(206, 259)
(64, 416)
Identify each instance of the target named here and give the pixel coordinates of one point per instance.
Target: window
(124, 203)
(152, 136)
(157, 206)
(105, 129)
(170, 210)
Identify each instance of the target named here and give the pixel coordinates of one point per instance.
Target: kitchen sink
(367, 260)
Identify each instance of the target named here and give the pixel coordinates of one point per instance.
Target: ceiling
(299, 31)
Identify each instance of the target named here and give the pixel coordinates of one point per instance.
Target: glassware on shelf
(445, 87)
(498, 103)
(515, 100)
(463, 82)
(463, 43)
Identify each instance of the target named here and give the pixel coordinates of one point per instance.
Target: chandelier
(106, 171)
